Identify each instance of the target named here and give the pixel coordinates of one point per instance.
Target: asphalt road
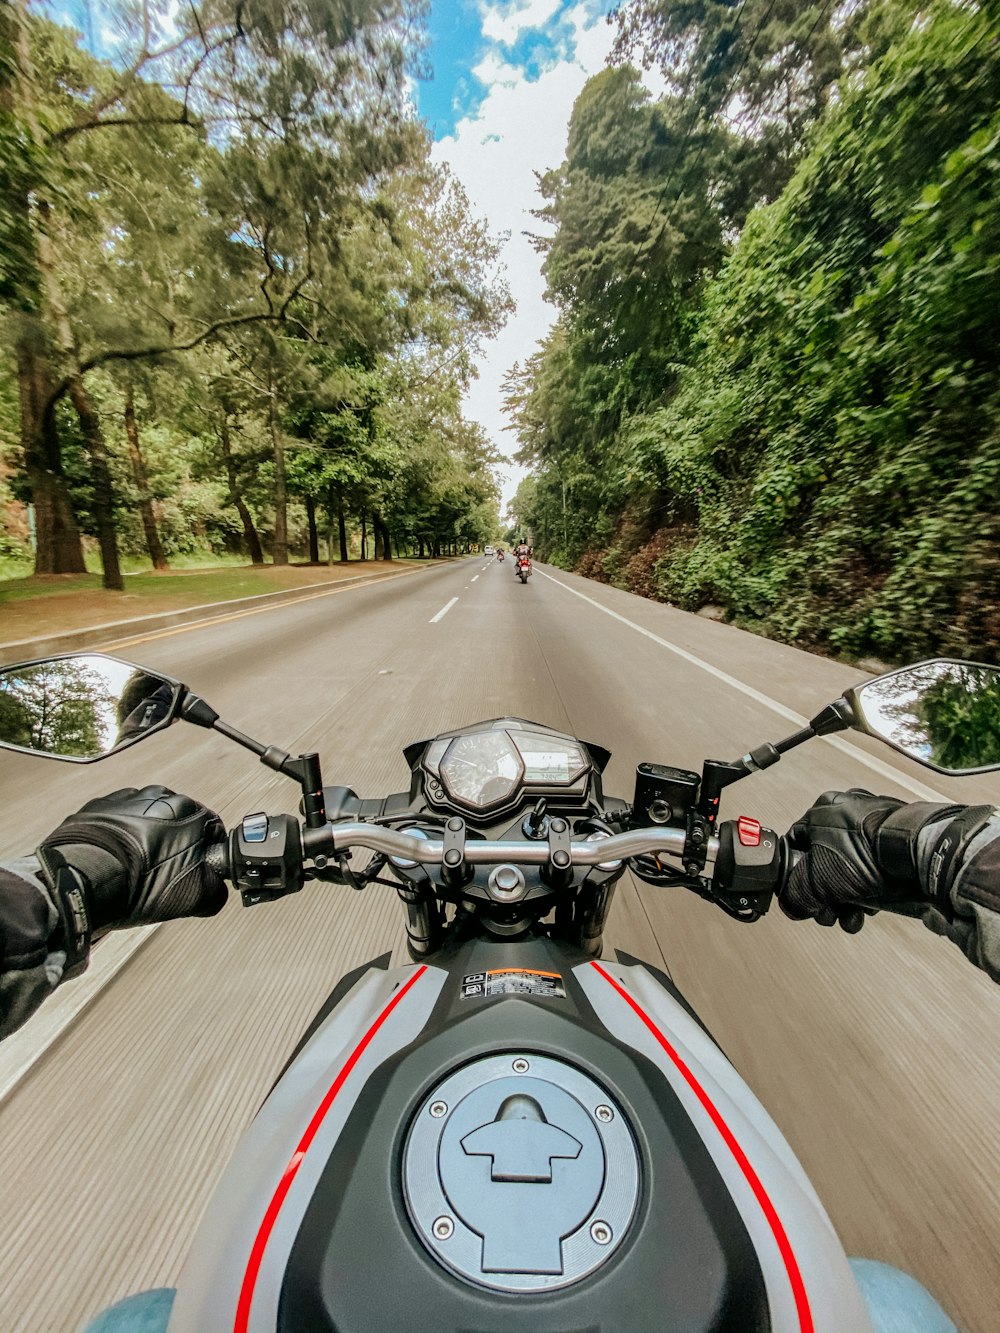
(876, 1054)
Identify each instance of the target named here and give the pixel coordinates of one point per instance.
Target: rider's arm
(957, 858)
(861, 853)
(126, 859)
(31, 964)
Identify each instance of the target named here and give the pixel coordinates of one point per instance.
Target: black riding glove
(130, 858)
(862, 853)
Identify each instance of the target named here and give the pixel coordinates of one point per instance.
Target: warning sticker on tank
(513, 981)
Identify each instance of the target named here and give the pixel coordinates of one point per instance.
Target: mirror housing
(944, 713)
(83, 706)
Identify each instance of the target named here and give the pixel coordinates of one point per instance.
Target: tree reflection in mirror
(81, 707)
(945, 714)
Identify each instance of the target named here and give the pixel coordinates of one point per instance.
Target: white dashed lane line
(443, 612)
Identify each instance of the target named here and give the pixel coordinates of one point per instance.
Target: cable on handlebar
(347, 873)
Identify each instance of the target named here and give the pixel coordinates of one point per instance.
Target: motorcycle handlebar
(343, 838)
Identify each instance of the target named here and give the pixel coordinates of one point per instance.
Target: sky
(505, 77)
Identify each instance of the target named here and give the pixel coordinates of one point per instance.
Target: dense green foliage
(821, 453)
(239, 303)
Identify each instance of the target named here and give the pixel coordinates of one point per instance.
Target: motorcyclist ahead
(139, 856)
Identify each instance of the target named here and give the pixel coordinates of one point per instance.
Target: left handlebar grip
(217, 859)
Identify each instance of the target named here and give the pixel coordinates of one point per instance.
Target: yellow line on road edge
(259, 610)
(22, 1051)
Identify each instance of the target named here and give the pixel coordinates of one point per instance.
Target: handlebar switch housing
(748, 866)
(265, 856)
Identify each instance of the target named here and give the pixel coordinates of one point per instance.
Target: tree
(269, 70)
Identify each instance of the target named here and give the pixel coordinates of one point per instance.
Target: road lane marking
(474, 577)
(24, 1048)
(443, 612)
(258, 610)
(919, 789)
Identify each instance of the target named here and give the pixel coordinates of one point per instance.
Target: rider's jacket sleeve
(30, 968)
(969, 911)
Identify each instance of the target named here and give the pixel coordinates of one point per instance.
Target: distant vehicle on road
(487, 550)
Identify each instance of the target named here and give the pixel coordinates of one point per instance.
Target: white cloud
(519, 128)
(505, 23)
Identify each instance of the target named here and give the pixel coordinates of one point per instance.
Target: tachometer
(481, 768)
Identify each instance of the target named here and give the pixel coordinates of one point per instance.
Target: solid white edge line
(25, 1047)
(22, 1050)
(919, 789)
(443, 612)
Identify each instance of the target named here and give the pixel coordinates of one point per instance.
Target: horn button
(520, 1173)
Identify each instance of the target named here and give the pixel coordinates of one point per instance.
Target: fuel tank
(514, 1138)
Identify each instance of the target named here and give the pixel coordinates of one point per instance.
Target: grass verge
(36, 606)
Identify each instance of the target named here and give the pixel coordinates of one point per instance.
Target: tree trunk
(313, 533)
(376, 536)
(383, 541)
(331, 515)
(364, 535)
(342, 527)
(421, 548)
(57, 538)
(279, 547)
(90, 422)
(104, 496)
(153, 544)
(249, 531)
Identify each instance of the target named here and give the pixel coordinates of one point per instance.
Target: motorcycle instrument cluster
(485, 768)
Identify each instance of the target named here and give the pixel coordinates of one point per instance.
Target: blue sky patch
(456, 45)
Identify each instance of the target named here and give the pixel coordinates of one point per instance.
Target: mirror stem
(305, 769)
(838, 716)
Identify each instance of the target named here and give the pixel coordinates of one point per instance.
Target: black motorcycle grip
(790, 858)
(217, 858)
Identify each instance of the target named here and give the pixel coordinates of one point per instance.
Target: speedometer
(481, 768)
(550, 759)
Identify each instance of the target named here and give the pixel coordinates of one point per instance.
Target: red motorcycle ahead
(522, 564)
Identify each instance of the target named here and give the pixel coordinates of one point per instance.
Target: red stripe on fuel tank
(715, 1115)
(284, 1185)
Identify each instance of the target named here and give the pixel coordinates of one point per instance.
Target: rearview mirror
(82, 707)
(943, 713)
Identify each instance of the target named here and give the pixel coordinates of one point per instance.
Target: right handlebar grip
(791, 856)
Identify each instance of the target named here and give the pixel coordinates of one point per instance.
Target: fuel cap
(520, 1173)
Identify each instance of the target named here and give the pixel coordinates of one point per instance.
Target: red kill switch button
(749, 831)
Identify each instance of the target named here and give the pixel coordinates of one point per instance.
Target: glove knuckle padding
(839, 871)
(158, 840)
